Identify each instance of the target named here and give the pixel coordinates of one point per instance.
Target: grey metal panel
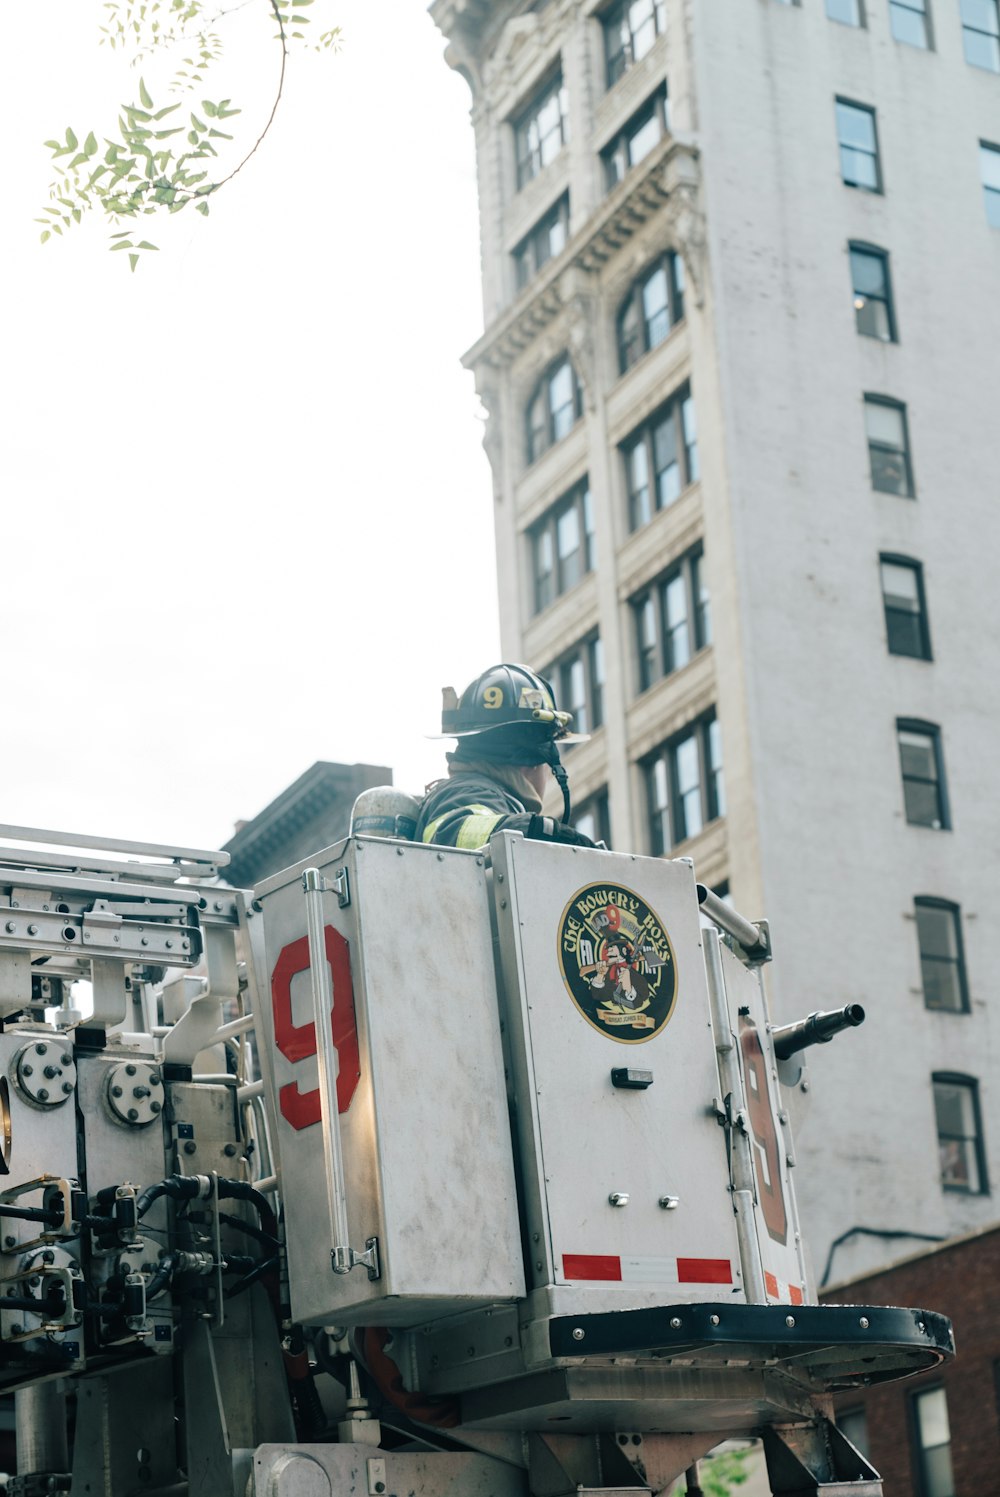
(581, 1138)
(426, 1139)
(42, 1142)
(357, 1470)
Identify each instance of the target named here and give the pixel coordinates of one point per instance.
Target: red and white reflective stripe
(608, 1268)
(788, 1294)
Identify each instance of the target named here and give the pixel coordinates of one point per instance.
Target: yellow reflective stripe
(477, 830)
(479, 822)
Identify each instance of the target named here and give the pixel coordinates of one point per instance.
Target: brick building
(936, 1435)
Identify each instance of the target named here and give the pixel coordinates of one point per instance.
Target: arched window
(555, 407)
(655, 302)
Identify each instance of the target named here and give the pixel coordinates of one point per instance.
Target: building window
(636, 138)
(672, 620)
(960, 1134)
(546, 240)
(910, 22)
(592, 817)
(562, 545)
(942, 959)
(630, 29)
(853, 1424)
(541, 131)
(859, 163)
(888, 446)
(847, 12)
(684, 785)
(579, 682)
(654, 303)
(554, 409)
(933, 1443)
(906, 624)
(661, 458)
(922, 764)
(873, 313)
(981, 33)
(989, 167)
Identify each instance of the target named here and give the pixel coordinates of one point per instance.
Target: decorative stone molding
(665, 187)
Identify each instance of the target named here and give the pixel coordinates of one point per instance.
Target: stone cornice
(668, 179)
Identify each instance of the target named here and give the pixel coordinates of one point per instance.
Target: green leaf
(137, 114)
(202, 208)
(210, 109)
(145, 244)
(144, 95)
(133, 260)
(79, 160)
(162, 113)
(52, 145)
(71, 140)
(221, 134)
(122, 244)
(90, 144)
(45, 235)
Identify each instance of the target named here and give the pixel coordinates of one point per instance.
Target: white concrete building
(741, 271)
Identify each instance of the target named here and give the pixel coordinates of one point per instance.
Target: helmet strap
(562, 780)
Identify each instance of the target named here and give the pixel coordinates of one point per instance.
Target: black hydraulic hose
(161, 1276)
(257, 1233)
(266, 1265)
(50, 1214)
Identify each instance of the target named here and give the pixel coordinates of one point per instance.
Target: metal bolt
(67, 1087)
(116, 1091)
(51, 1072)
(144, 941)
(713, 1320)
(669, 1203)
(790, 1321)
(782, 1117)
(48, 1256)
(27, 1070)
(11, 927)
(35, 1280)
(190, 1146)
(66, 1060)
(538, 1267)
(921, 1326)
(508, 1341)
(380, 1486)
(154, 1080)
(618, 1198)
(42, 1049)
(154, 1106)
(863, 1322)
(130, 1070)
(185, 945)
(675, 1322)
(32, 930)
(229, 1150)
(132, 1114)
(43, 1094)
(578, 1333)
(9, 1241)
(140, 1091)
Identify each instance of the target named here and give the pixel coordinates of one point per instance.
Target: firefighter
(508, 730)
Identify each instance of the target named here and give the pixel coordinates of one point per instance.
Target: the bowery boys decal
(617, 963)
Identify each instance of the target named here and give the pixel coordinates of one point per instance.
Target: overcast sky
(246, 515)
